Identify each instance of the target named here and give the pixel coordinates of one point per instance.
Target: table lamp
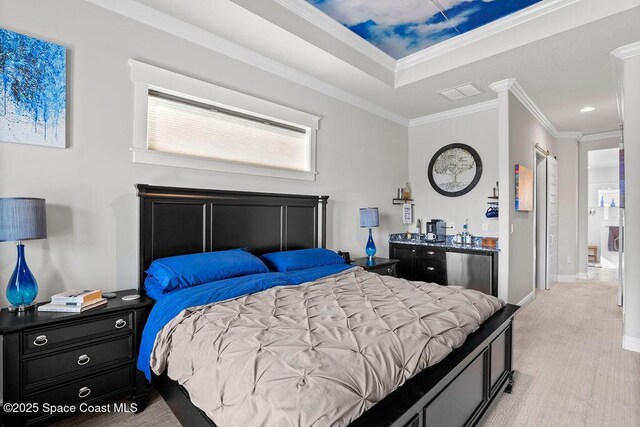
(369, 219)
(21, 219)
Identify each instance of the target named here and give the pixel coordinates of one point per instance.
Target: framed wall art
(524, 188)
(33, 91)
(454, 170)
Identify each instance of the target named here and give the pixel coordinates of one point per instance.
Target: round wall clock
(454, 170)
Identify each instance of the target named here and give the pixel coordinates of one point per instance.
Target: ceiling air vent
(463, 91)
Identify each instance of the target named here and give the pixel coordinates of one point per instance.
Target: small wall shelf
(401, 201)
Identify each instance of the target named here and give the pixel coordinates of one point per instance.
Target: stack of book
(74, 301)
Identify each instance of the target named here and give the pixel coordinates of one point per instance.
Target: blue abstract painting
(403, 27)
(33, 76)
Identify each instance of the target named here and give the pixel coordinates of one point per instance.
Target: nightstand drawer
(43, 339)
(76, 361)
(87, 390)
(386, 270)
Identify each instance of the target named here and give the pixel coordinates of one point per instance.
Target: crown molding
(618, 56)
(458, 112)
(576, 136)
(161, 21)
(487, 30)
(601, 135)
(332, 27)
(501, 85)
(518, 91)
(627, 51)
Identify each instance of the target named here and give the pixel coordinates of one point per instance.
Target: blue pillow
(301, 259)
(153, 288)
(184, 271)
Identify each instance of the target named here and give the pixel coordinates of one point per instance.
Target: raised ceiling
(402, 27)
(561, 57)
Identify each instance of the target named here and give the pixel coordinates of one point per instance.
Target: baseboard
(631, 343)
(527, 300)
(583, 276)
(566, 278)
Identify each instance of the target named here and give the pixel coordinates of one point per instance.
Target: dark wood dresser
(53, 360)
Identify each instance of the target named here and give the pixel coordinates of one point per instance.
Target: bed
(457, 387)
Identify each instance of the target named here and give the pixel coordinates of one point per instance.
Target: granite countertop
(448, 243)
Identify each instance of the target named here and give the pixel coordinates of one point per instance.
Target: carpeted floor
(570, 368)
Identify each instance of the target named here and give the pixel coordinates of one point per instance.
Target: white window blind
(186, 127)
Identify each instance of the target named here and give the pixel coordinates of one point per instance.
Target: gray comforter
(317, 354)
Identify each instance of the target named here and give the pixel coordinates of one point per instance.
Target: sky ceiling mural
(403, 27)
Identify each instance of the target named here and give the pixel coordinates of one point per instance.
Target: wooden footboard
(458, 391)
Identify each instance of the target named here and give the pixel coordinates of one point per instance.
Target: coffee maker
(436, 230)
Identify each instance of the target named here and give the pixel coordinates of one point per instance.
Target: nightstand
(381, 266)
(71, 359)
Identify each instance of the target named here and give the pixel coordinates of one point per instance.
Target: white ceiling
(561, 73)
(607, 158)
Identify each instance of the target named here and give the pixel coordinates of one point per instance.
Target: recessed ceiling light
(587, 109)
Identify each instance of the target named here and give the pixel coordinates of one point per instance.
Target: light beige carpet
(570, 368)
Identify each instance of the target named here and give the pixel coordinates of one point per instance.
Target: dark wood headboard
(178, 221)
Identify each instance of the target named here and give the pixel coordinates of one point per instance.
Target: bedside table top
(11, 322)
(377, 262)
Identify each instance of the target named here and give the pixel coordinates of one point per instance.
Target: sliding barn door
(552, 222)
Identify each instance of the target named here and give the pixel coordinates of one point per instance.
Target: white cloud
(455, 21)
(384, 12)
(390, 14)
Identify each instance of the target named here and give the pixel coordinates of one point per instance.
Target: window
(225, 131)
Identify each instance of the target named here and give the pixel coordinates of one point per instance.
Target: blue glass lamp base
(21, 308)
(370, 249)
(22, 288)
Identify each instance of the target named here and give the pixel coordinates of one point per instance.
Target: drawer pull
(40, 340)
(430, 268)
(431, 253)
(83, 360)
(84, 392)
(121, 323)
(389, 270)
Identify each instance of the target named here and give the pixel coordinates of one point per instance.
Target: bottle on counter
(466, 236)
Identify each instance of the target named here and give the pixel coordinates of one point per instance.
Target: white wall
(478, 130)
(631, 338)
(92, 206)
(524, 132)
(567, 155)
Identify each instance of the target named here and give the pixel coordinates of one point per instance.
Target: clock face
(454, 170)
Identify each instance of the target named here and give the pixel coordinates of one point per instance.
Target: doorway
(603, 226)
(546, 219)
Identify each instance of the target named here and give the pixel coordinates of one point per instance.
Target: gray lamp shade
(22, 218)
(369, 217)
